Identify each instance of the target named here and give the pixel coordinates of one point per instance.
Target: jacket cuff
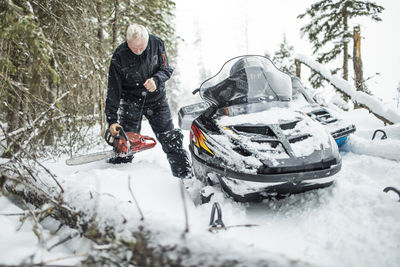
(112, 121)
(157, 82)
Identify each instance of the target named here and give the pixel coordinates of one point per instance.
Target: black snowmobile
(250, 136)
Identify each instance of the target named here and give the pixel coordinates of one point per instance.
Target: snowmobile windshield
(246, 80)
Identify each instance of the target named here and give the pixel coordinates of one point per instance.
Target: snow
(352, 223)
(387, 111)
(19, 245)
(318, 134)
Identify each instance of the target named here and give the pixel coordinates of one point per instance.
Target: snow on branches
(373, 104)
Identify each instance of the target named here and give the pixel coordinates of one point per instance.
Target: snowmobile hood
(275, 137)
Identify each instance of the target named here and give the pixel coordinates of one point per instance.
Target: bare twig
(184, 206)
(37, 229)
(44, 194)
(24, 129)
(13, 214)
(134, 199)
(46, 263)
(36, 161)
(71, 236)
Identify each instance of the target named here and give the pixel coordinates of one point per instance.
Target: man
(136, 86)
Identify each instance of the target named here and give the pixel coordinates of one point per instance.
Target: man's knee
(171, 140)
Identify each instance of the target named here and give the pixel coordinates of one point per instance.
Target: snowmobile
(252, 138)
(338, 127)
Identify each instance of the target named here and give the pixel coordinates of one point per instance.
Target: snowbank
(389, 149)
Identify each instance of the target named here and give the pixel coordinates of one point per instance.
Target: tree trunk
(345, 49)
(115, 25)
(298, 68)
(357, 62)
(100, 36)
(345, 45)
(51, 98)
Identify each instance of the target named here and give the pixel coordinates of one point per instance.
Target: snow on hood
(319, 137)
(273, 115)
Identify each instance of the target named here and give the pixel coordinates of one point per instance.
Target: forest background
(54, 56)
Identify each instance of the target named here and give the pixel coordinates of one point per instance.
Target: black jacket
(128, 72)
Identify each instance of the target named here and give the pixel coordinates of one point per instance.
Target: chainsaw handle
(108, 137)
(123, 133)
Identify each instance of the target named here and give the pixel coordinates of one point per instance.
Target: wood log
(143, 244)
(385, 120)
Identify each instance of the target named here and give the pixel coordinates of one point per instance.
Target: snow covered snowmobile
(249, 136)
(338, 127)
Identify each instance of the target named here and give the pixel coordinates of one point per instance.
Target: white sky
(216, 30)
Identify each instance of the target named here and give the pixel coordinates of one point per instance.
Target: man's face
(137, 46)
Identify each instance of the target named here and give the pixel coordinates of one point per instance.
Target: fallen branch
(35, 160)
(134, 199)
(371, 103)
(127, 240)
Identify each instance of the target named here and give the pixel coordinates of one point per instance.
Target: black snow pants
(160, 120)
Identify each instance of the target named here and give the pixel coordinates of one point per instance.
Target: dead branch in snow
(122, 241)
(379, 116)
(134, 199)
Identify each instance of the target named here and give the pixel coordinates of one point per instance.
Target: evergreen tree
(283, 58)
(54, 59)
(329, 28)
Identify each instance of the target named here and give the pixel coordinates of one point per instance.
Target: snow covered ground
(352, 223)
(19, 244)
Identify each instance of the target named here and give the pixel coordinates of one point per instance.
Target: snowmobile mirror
(196, 91)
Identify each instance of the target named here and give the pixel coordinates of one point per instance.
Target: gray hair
(137, 32)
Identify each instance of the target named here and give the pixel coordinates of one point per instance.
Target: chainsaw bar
(83, 159)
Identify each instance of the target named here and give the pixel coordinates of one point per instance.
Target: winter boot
(171, 142)
(119, 160)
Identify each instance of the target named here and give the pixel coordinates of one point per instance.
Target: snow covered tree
(54, 58)
(283, 58)
(329, 27)
(26, 70)
(157, 16)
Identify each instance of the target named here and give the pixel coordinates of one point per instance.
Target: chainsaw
(124, 144)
